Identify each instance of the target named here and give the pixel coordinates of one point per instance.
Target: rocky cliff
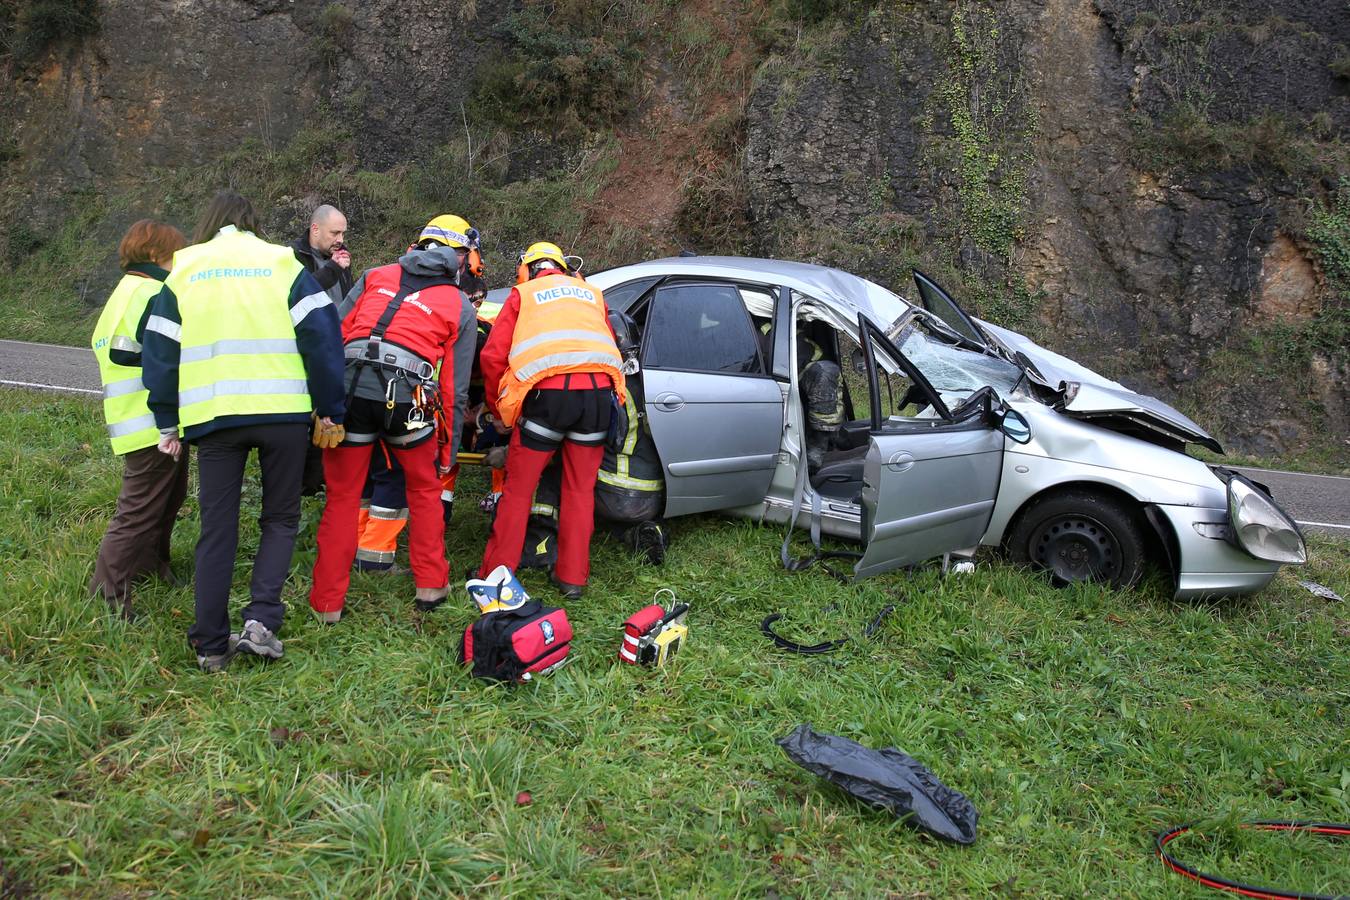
(1152, 186)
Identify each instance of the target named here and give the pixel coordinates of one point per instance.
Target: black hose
(824, 646)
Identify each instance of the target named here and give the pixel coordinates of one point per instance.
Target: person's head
(227, 207)
(543, 258)
(148, 241)
(327, 229)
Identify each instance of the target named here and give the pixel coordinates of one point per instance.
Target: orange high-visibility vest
(561, 328)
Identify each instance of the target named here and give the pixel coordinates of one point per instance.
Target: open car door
(929, 479)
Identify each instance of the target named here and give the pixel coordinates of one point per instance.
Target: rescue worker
(551, 369)
(153, 484)
(405, 320)
(240, 346)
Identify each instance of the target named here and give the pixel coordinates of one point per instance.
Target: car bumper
(1210, 566)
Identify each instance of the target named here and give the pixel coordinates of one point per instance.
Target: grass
(368, 762)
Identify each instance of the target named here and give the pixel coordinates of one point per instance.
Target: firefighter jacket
(240, 334)
(130, 423)
(549, 326)
(630, 462)
(434, 328)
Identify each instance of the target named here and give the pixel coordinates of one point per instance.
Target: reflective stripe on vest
(621, 477)
(561, 328)
(238, 352)
(130, 424)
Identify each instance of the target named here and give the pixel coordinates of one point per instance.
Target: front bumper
(1210, 566)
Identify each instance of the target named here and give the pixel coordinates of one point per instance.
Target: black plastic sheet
(888, 779)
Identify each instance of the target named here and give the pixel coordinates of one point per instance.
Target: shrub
(32, 26)
(334, 37)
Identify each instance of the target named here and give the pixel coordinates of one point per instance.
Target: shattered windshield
(953, 371)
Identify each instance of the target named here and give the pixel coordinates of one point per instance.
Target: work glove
(618, 425)
(495, 457)
(327, 433)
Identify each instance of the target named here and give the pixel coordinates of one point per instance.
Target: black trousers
(220, 469)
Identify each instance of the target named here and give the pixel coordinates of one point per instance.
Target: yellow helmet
(452, 231)
(543, 250)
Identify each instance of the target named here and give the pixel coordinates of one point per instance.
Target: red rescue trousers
(576, 519)
(345, 470)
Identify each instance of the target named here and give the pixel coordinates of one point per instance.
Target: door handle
(669, 402)
(900, 461)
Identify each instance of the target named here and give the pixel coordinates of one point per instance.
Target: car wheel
(1080, 536)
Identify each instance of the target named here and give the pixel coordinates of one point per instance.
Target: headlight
(1262, 528)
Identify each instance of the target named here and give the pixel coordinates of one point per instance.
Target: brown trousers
(137, 541)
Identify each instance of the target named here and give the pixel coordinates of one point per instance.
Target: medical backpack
(515, 644)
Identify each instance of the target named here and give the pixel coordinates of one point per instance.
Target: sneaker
(215, 664)
(568, 591)
(258, 639)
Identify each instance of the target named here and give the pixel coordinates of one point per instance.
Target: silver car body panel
(1100, 397)
(1066, 448)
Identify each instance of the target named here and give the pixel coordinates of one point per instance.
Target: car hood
(1084, 394)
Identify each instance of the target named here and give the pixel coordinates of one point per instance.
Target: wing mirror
(1014, 425)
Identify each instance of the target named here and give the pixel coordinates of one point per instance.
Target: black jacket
(335, 280)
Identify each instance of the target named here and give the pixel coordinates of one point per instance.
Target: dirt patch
(1289, 290)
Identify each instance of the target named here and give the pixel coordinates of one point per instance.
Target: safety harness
(381, 355)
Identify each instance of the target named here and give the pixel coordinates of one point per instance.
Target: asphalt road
(1318, 502)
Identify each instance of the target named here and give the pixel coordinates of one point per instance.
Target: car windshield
(953, 371)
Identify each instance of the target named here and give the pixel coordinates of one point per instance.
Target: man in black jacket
(324, 255)
(322, 252)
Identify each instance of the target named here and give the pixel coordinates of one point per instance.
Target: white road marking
(50, 387)
(1298, 474)
(1323, 524)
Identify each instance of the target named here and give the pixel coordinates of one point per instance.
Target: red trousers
(345, 470)
(576, 518)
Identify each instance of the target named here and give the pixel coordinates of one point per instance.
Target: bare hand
(170, 445)
(343, 258)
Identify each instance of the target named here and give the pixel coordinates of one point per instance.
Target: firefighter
(552, 370)
(241, 344)
(153, 484)
(405, 320)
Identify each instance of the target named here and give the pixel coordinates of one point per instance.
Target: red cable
(1167, 836)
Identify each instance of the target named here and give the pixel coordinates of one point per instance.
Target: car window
(954, 372)
(622, 296)
(936, 301)
(897, 398)
(703, 327)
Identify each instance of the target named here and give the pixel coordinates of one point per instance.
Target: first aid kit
(518, 644)
(655, 633)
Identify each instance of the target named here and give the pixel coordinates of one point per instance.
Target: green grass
(368, 762)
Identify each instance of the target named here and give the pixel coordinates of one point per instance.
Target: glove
(618, 425)
(495, 457)
(328, 434)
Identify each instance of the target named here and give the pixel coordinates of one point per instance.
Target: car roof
(849, 292)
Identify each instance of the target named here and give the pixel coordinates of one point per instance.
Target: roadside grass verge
(368, 763)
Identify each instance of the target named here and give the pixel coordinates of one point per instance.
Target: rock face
(166, 83)
(1155, 234)
(1129, 181)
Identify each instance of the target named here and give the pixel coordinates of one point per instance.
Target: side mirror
(1012, 423)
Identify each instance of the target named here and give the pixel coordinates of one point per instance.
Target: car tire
(1080, 536)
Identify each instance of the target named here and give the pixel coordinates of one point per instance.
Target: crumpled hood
(1099, 398)
(435, 261)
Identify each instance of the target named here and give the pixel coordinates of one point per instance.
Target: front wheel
(1080, 536)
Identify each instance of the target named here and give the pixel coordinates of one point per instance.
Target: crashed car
(930, 431)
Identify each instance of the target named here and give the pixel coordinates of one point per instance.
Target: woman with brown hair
(153, 484)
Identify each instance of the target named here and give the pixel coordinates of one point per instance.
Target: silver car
(938, 431)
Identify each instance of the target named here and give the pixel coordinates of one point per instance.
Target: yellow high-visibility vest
(131, 425)
(238, 354)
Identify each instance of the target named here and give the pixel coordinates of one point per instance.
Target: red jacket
(437, 323)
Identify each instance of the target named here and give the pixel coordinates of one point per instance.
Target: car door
(929, 481)
(714, 411)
